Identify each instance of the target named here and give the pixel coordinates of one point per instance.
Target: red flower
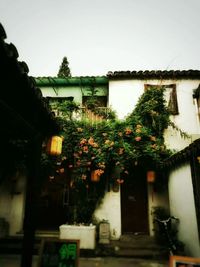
(138, 138)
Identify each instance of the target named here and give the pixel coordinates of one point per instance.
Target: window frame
(172, 104)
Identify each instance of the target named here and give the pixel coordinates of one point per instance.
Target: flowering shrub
(111, 144)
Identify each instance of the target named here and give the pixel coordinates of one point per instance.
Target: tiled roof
(73, 81)
(155, 74)
(19, 96)
(193, 150)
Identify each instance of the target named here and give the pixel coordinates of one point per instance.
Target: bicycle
(169, 234)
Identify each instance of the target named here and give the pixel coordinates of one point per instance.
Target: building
(130, 210)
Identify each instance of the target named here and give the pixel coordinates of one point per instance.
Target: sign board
(181, 261)
(58, 253)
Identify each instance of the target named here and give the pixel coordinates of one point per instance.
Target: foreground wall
(181, 199)
(110, 210)
(12, 201)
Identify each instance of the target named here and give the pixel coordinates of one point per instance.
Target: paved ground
(14, 261)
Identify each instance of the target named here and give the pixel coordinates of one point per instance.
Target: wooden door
(134, 203)
(52, 209)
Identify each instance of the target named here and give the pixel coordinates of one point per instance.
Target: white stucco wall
(182, 205)
(124, 95)
(110, 210)
(75, 91)
(63, 92)
(12, 200)
(156, 199)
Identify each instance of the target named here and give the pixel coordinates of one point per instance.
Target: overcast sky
(98, 36)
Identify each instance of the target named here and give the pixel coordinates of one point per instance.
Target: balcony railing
(88, 115)
(94, 117)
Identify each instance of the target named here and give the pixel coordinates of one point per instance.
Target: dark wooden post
(32, 192)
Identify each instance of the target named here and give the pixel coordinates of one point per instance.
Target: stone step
(133, 246)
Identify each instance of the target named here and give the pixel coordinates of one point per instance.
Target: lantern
(151, 176)
(54, 145)
(95, 176)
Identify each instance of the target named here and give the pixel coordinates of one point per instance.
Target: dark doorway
(134, 211)
(52, 206)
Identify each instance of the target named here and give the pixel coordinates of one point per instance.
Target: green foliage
(152, 112)
(94, 105)
(110, 144)
(64, 70)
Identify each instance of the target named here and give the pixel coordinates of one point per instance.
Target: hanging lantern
(151, 176)
(54, 145)
(95, 175)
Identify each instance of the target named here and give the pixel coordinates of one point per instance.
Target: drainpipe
(32, 193)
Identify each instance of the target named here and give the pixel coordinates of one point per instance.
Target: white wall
(12, 200)
(63, 92)
(110, 210)
(75, 91)
(182, 205)
(124, 95)
(156, 199)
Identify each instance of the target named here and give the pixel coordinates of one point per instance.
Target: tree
(64, 70)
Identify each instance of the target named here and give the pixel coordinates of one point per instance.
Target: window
(94, 108)
(170, 96)
(101, 100)
(55, 101)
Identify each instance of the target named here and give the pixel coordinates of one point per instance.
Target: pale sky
(98, 36)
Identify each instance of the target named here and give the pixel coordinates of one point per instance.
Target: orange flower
(83, 177)
(138, 130)
(121, 151)
(78, 163)
(62, 170)
(138, 126)
(128, 131)
(102, 165)
(111, 143)
(85, 149)
(138, 138)
(154, 146)
(91, 141)
(95, 144)
(152, 138)
(83, 141)
(120, 181)
(99, 172)
(80, 130)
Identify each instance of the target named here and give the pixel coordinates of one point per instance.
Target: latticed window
(94, 108)
(170, 96)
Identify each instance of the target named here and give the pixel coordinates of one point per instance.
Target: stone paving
(14, 261)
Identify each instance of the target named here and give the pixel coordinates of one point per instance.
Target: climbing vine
(105, 146)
